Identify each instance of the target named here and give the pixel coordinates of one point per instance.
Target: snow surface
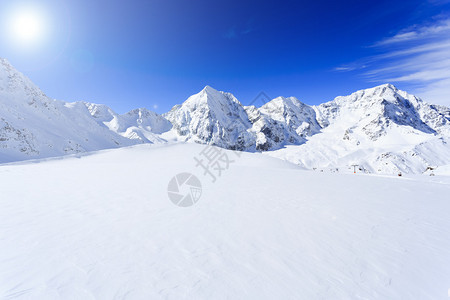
(101, 226)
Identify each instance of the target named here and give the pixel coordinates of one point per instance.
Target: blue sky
(156, 53)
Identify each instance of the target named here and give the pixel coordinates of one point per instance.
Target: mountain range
(379, 130)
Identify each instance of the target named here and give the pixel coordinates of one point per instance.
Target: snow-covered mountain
(218, 118)
(139, 124)
(34, 126)
(381, 129)
(213, 117)
(375, 110)
(284, 121)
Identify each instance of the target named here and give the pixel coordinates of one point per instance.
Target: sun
(27, 26)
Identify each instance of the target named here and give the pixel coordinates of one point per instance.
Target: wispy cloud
(418, 57)
(344, 68)
(235, 31)
(417, 33)
(349, 67)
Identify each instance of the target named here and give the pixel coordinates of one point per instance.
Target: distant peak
(6, 63)
(389, 86)
(376, 90)
(383, 87)
(280, 100)
(209, 89)
(284, 101)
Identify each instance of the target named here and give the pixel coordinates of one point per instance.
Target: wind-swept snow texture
(102, 226)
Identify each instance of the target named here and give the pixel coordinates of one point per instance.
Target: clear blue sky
(156, 53)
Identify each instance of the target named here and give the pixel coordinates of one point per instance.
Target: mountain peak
(283, 101)
(13, 82)
(370, 96)
(209, 89)
(379, 90)
(387, 85)
(4, 61)
(212, 117)
(211, 98)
